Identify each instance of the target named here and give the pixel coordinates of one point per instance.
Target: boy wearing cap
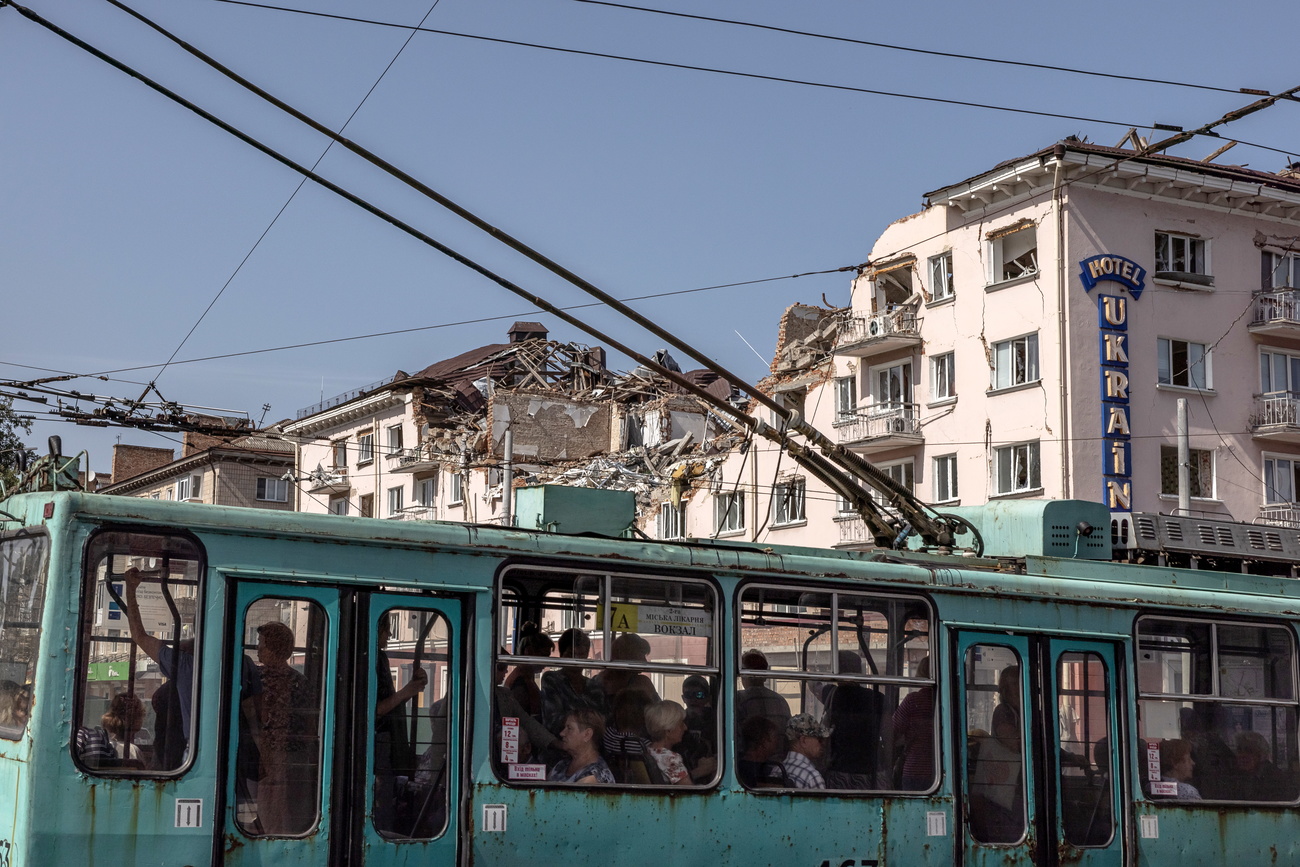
(806, 737)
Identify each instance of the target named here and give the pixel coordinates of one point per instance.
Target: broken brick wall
(549, 427)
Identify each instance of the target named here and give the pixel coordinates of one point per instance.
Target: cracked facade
(1029, 334)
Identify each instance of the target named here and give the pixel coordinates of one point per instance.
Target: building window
(1017, 469)
(366, 505)
(1015, 361)
(189, 488)
(338, 505)
(843, 506)
(846, 398)
(396, 501)
(943, 369)
(941, 276)
(394, 439)
(945, 478)
(339, 452)
(456, 495)
(1013, 254)
(729, 512)
(1201, 482)
(1184, 258)
(894, 385)
(365, 447)
(1281, 480)
(1278, 372)
(672, 521)
(1281, 270)
(426, 491)
(788, 503)
(902, 472)
(273, 490)
(1181, 362)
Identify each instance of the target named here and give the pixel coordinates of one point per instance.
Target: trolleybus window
(139, 625)
(1217, 710)
(411, 716)
(22, 600)
(627, 691)
(280, 695)
(995, 750)
(852, 666)
(1083, 717)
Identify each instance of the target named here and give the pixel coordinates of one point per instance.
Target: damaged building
(443, 443)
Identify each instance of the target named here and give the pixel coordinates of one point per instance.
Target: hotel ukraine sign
(1112, 347)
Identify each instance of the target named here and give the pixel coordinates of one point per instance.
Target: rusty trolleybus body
(190, 684)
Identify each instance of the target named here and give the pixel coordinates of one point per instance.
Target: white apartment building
(1030, 332)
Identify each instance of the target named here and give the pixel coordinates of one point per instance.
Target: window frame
(39, 539)
(1034, 470)
(670, 521)
(1198, 473)
(729, 512)
(1216, 696)
(106, 542)
(262, 493)
(945, 493)
(396, 500)
(1165, 360)
(339, 454)
(1000, 259)
(565, 581)
(1196, 253)
(790, 496)
(365, 447)
(192, 486)
(846, 398)
(1270, 478)
(941, 278)
(394, 438)
(836, 644)
(1032, 369)
(943, 373)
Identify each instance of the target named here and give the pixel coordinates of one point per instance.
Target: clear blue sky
(125, 214)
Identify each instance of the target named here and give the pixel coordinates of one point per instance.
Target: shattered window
(788, 502)
(941, 276)
(730, 516)
(1182, 255)
(1015, 361)
(22, 601)
(1013, 254)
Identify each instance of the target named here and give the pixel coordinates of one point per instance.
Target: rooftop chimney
(527, 331)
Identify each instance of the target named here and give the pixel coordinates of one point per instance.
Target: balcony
(1277, 417)
(1277, 314)
(880, 428)
(331, 481)
(1280, 515)
(853, 532)
(416, 513)
(416, 460)
(861, 336)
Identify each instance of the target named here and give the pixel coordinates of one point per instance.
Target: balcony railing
(878, 422)
(1276, 408)
(856, 329)
(1277, 308)
(1280, 515)
(416, 513)
(853, 530)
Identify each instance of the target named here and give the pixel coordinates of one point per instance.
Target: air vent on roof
(1146, 527)
(1174, 531)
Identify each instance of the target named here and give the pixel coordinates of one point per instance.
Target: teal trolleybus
(195, 685)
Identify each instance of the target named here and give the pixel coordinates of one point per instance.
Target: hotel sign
(1112, 346)
(1125, 272)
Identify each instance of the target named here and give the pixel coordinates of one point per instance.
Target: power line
(911, 49)
(462, 322)
(692, 67)
(292, 195)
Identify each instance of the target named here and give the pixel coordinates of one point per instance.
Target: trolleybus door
(1034, 720)
(281, 724)
(411, 754)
